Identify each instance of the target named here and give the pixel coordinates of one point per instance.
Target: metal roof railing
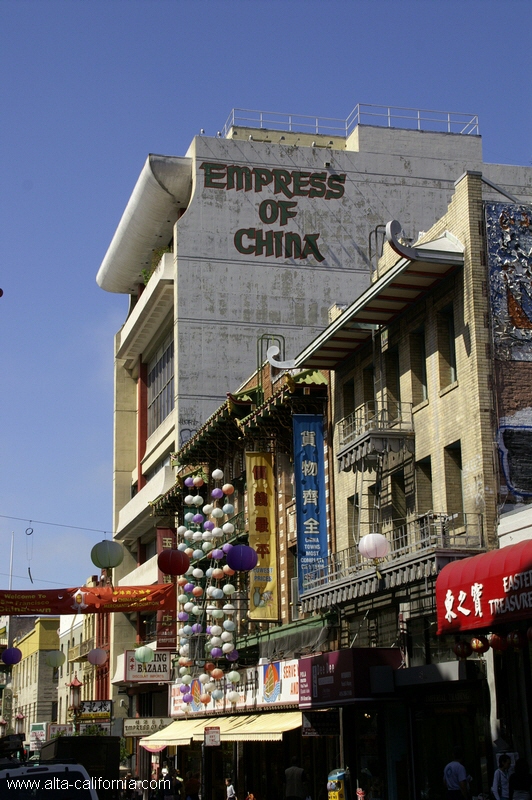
(362, 114)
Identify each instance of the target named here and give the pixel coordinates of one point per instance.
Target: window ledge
(448, 388)
(421, 405)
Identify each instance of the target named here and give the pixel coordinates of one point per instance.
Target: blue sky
(88, 89)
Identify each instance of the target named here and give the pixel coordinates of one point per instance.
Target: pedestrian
(501, 778)
(520, 781)
(295, 784)
(178, 785)
(231, 794)
(192, 786)
(455, 777)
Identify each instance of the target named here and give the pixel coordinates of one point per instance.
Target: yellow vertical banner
(263, 601)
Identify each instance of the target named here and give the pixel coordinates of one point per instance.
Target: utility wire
(54, 524)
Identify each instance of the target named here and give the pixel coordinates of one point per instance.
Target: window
(447, 346)
(352, 519)
(393, 383)
(418, 366)
(150, 549)
(161, 384)
(348, 397)
(453, 479)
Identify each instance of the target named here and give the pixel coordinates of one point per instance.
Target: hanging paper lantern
(228, 528)
(97, 657)
(205, 698)
(11, 656)
(480, 644)
(187, 698)
(462, 649)
(228, 508)
(228, 488)
(217, 694)
(232, 656)
(55, 658)
(233, 697)
(217, 513)
(227, 569)
(498, 643)
(217, 673)
(107, 554)
(516, 639)
(197, 500)
(197, 591)
(217, 554)
(374, 546)
(189, 482)
(197, 628)
(189, 500)
(144, 654)
(173, 562)
(217, 494)
(227, 546)
(217, 475)
(233, 676)
(217, 573)
(229, 589)
(242, 558)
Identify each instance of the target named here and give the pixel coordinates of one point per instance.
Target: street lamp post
(75, 700)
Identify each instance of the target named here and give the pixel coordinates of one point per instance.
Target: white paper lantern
(374, 546)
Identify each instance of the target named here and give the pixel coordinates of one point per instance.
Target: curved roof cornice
(163, 188)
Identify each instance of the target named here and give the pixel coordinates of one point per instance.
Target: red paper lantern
(516, 639)
(462, 649)
(173, 562)
(498, 643)
(242, 558)
(480, 644)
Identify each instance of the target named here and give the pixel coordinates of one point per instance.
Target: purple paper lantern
(188, 587)
(11, 656)
(216, 652)
(217, 494)
(187, 698)
(197, 628)
(197, 518)
(208, 526)
(242, 558)
(227, 546)
(232, 656)
(217, 553)
(182, 616)
(189, 482)
(184, 688)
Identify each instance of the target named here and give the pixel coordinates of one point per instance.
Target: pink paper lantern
(97, 657)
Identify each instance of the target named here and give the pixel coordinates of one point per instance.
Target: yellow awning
(176, 734)
(265, 727)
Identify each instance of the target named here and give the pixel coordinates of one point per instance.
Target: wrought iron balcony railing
(417, 537)
(374, 417)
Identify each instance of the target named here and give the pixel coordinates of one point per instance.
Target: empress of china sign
(277, 210)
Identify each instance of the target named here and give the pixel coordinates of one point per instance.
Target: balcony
(419, 548)
(143, 575)
(374, 428)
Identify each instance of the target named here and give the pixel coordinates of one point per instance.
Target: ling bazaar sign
(277, 210)
(157, 671)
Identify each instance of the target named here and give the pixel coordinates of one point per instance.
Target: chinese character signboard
(262, 536)
(166, 619)
(309, 474)
(90, 600)
(485, 590)
(95, 710)
(146, 726)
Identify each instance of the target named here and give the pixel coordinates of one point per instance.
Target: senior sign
(485, 590)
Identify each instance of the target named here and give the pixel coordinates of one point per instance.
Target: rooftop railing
(362, 114)
(417, 537)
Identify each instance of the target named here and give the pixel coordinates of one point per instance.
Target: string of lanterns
(207, 629)
(499, 643)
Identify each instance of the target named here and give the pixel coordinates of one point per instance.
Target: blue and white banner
(311, 516)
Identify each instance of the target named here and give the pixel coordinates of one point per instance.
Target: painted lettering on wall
(295, 183)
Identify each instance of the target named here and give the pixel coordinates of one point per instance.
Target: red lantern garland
(498, 643)
(462, 649)
(480, 644)
(516, 639)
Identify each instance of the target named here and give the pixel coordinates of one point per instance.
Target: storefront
(486, 602)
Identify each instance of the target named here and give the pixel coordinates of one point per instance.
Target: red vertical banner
(167, 619)
(263, 600)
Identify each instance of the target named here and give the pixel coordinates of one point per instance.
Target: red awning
(486, 590)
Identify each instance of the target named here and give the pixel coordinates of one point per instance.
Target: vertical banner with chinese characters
(166, 620)
(262, 536)
(309, 475)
